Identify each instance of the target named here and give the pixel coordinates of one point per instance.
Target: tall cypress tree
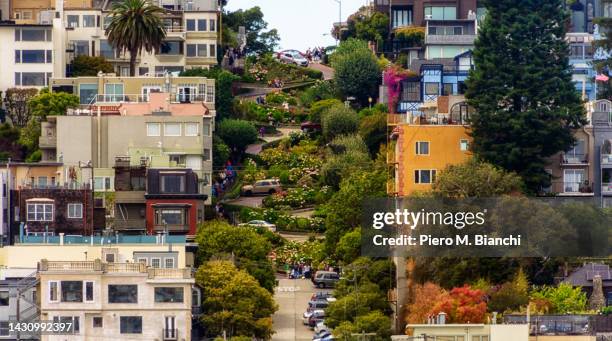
(521, 89)
(605, 29)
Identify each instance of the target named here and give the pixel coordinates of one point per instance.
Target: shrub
(339, 120)
(413, 35)
(90, 66)
(237, 134)
(318, 108)
(319, 91)
(563, 298)
(356, 71)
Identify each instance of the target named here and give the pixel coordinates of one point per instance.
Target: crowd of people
(315, 54)
(224, 180)
(299, 270)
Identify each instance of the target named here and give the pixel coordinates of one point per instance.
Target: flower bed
(294, 198)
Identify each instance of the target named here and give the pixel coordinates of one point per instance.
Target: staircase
(32, 312)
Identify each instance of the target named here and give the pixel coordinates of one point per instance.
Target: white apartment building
(116, 301)
(42, 37)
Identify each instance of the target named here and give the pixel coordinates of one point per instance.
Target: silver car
(292, 57)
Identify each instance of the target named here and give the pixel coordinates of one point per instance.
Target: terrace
(100, 240)
(99, 266)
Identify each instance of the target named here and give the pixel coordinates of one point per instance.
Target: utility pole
(339, 21)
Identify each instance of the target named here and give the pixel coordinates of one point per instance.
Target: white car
(292, 57)
(320, 327)
(307, 314)
(260, 223)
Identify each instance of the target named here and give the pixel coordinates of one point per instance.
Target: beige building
(465, 332)
(162, 122)
(116, 301)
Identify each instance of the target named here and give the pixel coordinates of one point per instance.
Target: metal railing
(422, 118)
(606, 159)
(170, 334)
(554, 324)
(606, 188)
(138, 98)
(574, 159)
(99, 240)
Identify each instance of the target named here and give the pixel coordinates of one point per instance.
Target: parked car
(321, 334)
(325, 279)
(308, 314)
(320, 329)
(316, 317)
(317, 305)
(268, 186)
(260, 223)
(309, 126)
(321, 295)
(292, 57)
(325, 338)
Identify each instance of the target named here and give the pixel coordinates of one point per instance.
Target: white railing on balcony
(174, 29)
(606, 159)
(606, 188)
(184, 273)
(136, 98)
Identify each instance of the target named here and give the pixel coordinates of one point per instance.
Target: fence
(564, 324)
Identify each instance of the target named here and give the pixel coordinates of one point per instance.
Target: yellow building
(427, 142)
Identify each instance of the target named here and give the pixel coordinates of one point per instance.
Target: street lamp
(339, 20)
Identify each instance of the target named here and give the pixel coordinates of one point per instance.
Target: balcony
(163, 273)
(112, 99)
(574, 159)
(97, 265)
(606, 188)
(573, 188)
(606, 160)
(47, 142)
(422, 118)
(129, 224)
(463, 39)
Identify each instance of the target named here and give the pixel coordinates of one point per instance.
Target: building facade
(115, 301)
(427, 142)
(602, 151)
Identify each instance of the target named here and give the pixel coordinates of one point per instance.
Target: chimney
(494, 318)
(597, 300)
(442, 318)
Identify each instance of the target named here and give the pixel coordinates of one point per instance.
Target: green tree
(84, 65)
(339, 120)
(564, 298)
(318, 108)
(510, 296)
(136, 25)
(475, 179)
(9, 146)
(248, 248)
(367, 298)
(321, 90)
(373, 28)
(233, 301)
(357, 72)
(221, 152)
(237, 134)
(48, 103)
(28, 137)
(373, 322)
(346, 154)
(16, 103)
(349, 246)
(258, 40)
(224, 80)
(526, 105)
(373, 130)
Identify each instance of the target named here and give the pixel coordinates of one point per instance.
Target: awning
(40, 200)
(171, 205)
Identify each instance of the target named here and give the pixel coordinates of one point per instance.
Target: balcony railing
(577, 187)
(47, 141)
(170, 334)
(606, 188)
(606, 159)
(184, 273)
(574, 159)
(98, 240)
(174, 29)
(133, 98)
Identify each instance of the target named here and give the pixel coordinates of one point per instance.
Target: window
(573, 180)
(191, 129)
(39, 212)
(130, 324)
(424, 176)
(441, 13)
(110, 258)
(142, 261)
(4, 328)
(402, 17)
(53, 291)
(464, 145)
(171, 48)
(49, 56)
(190, 25)
(106, 50)
(98, 322)
(577, 153)
(87, 93)
(213, 50)
(172, 129)
(113, 91)
(42, 181)
(32, 35)
(201, 24)
(102, 183)
(206, 129)
(153, 129)
(89, 21)
(73, 20)
(169, 263)
(142, 71)
(169, 295)
(27, 15)
(89, 291)
(4, 298)
(195, 297)
(122, 293)
(30, 56)
(156, 263)
(30, 78)
(213, 26)
(75, 211)
(202, 50)
(196, 50)
(422, 148)
(207, 154)
(72, 291)
(169, 217)
(173, 183)
(432, 88)
(74, 320)
(448, 89)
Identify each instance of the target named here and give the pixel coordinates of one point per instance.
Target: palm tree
(135, 25)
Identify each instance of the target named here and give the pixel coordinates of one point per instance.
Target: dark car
(309, 126)
(316, 305)
(316, 317)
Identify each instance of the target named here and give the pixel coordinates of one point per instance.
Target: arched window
(460, 113)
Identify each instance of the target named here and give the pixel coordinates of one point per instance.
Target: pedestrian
(262, 131)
